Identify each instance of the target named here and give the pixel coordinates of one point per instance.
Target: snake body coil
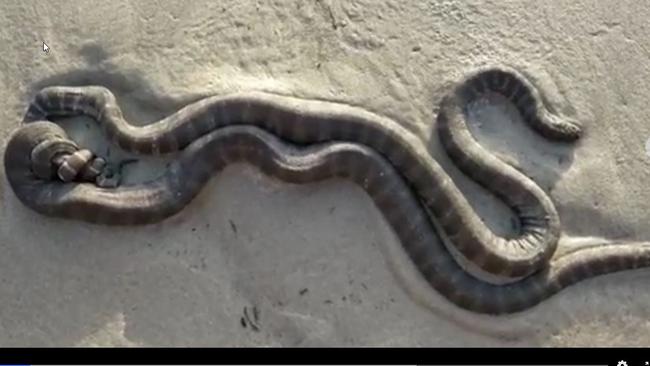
(303, 141)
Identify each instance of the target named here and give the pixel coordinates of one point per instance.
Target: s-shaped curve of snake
(303, 141)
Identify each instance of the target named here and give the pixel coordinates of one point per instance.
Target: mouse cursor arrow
(46, 48)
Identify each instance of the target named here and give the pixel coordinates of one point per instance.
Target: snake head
(111, 174)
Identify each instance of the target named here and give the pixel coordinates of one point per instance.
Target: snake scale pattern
(302, 141)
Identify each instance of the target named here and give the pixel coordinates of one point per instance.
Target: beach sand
(318, 264)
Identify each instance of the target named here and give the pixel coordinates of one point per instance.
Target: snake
(304, 140)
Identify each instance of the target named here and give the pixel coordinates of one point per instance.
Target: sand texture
(256, 262)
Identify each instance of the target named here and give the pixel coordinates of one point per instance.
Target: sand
(318, 263)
